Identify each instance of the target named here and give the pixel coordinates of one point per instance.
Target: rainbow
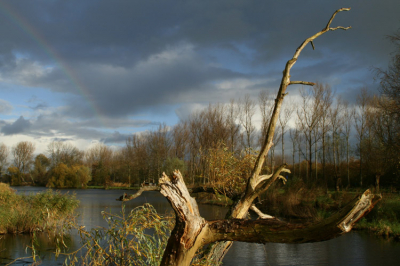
(36, 36)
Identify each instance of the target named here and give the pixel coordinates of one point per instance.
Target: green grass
(29, 213)
(384, 219)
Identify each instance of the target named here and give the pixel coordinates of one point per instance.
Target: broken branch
(272, 230)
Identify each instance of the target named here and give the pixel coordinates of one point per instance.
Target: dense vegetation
(31, 213)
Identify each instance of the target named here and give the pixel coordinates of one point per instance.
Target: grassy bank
(297, 202)
(29, 213)
(384, 219)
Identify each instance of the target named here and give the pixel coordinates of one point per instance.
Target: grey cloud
(39, 106)
(5, 107)
(116, 137)
(58, 127)
(159, 80)
(19, 126)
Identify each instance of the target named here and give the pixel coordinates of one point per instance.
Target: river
(355, 248)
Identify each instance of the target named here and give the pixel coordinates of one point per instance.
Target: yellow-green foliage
(75, 176)
(138, 238)
(15, 175)
(228, 171)
(25, 214)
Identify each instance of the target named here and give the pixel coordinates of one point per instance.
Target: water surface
(358, 249)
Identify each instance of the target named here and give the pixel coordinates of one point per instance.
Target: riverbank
(384, 219)
(43, 211)
(295, 202)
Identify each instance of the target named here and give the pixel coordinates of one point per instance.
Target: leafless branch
(126, 197)
(260, 213)
(333, 16)
(302, 82)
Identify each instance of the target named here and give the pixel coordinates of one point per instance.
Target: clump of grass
(29, 213)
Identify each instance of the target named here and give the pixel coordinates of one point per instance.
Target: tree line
(217, 146)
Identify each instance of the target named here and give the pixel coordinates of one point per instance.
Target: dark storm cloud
(19, 126)
(122, 57)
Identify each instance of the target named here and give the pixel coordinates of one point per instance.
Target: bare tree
(99, 158)
(324, 126)
(159, 144)
(336, 121)
(3, 157)
(348, 118)
(64, 152)
(294, 137)
(309, 116)
(180, 136)
(390, 84)
(360, 118)
(232, 124)
(191, 231)
(23, 156)
(246, 112)
(284, 117)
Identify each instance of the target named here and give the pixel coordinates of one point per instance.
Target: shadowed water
(351, 249)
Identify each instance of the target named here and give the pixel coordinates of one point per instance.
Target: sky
(99, 71)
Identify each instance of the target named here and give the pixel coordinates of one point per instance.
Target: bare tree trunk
(315, 156)
(191, 231)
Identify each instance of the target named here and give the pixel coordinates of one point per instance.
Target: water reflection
(350, 249)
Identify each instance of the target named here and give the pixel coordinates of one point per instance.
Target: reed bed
(31, 213)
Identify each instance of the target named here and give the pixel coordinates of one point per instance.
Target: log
(192, 231)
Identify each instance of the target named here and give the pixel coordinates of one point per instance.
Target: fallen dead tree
(192, 232)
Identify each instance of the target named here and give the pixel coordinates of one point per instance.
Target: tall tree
(336, 121)
(23, 156)
(40, 168)
(309, 116)
(361, 125)
(99, 159)
(348, 115)
(64, 152)
(3, 157)
(284, 117)
(390, 84)
(247, 108)
(325, 125)
(232, 116)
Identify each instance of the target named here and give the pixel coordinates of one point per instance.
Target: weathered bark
(191, 231)
(186, 237)
(276, 231)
